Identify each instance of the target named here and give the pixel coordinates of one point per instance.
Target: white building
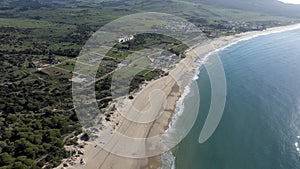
(125, 39)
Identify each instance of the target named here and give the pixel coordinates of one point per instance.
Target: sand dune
(157, 101)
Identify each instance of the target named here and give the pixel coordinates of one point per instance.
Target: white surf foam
(199, 63)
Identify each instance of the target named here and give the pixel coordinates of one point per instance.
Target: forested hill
(272, 7)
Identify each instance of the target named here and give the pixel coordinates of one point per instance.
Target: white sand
(164, 105)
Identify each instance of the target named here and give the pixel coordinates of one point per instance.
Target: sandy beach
(158, 100)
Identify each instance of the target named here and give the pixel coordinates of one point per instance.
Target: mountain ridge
(272, 7)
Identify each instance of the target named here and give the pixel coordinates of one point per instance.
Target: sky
(290, 1)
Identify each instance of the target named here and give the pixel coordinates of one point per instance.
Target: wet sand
(159, 104)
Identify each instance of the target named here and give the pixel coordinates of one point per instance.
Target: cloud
(290, 1)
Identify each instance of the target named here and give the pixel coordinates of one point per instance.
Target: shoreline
(232, 40)
(96, 157)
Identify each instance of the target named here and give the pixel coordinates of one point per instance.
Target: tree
(6, 159)
(31, 151)
(11, 119)
(19, 165)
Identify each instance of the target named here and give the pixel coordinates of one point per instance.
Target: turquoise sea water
(260, 127)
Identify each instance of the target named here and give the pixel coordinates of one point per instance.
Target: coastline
(96, 157)
(232, 40)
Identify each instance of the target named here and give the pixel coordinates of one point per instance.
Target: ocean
(260, 127)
